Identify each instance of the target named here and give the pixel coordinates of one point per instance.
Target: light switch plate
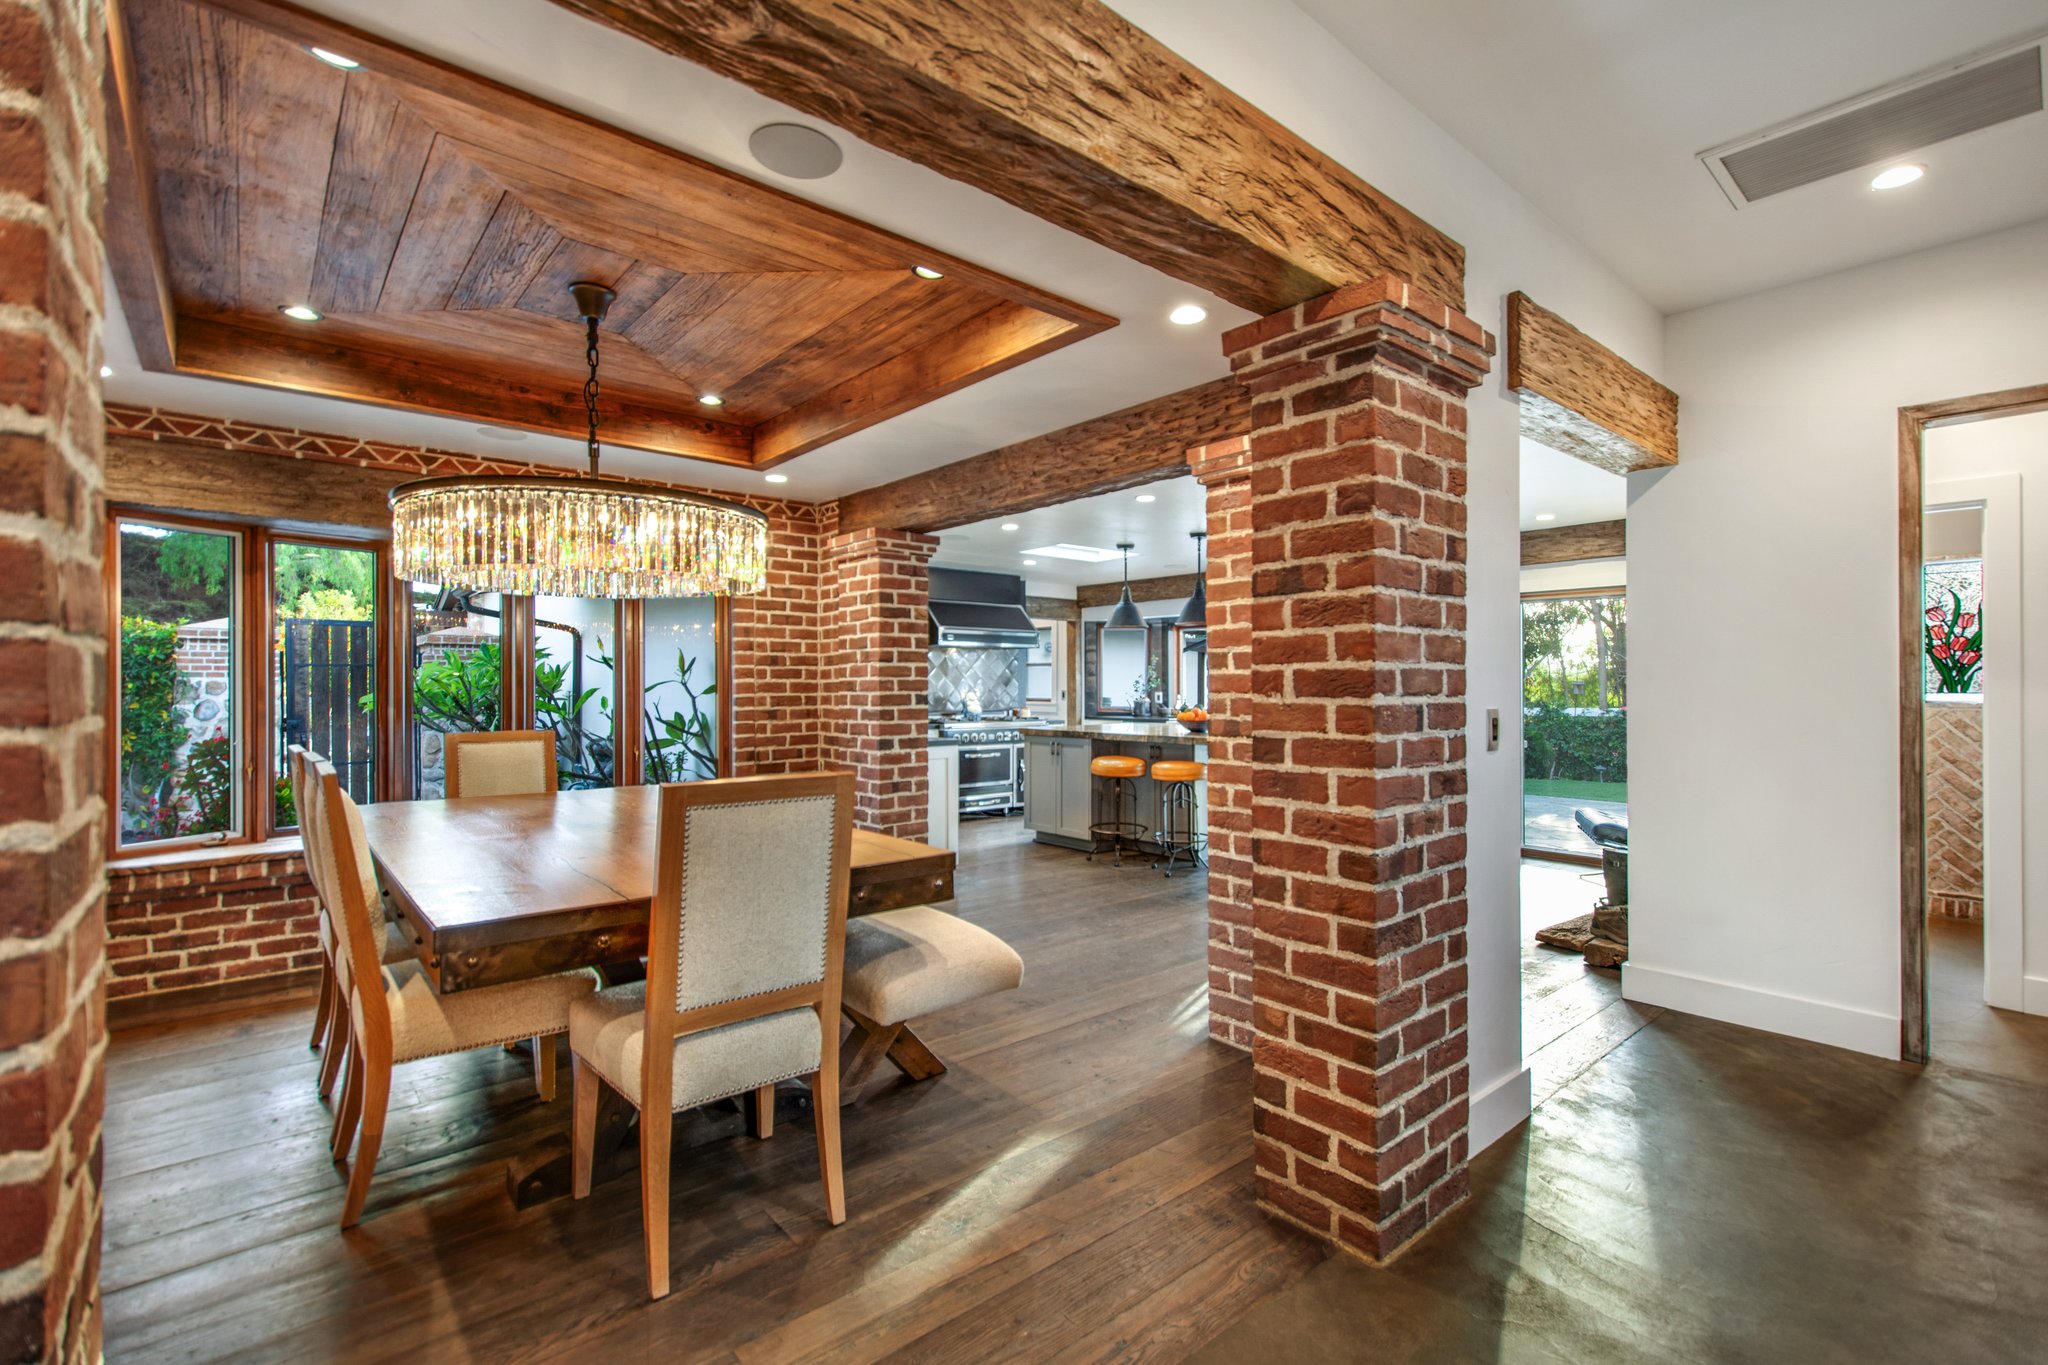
(1492, 727)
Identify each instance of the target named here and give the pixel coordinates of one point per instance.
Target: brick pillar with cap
(876, 671)
(1357, 765)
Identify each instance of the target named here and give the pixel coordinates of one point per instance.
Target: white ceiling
(1158, 530)
(543, 49)
(1595, 110)
(1570, 490)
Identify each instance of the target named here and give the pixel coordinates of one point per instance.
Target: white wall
(1763, 765)
(1289, 67)
(2017, 445)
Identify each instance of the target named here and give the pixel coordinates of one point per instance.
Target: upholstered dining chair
(745, 947)
(395, 1013)
(330, 1026)
(499, 763)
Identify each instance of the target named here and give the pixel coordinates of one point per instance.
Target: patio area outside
(1574, 716)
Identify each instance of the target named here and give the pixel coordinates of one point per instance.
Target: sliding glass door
(1574, 716)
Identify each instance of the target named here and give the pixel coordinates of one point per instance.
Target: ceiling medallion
(540, 535)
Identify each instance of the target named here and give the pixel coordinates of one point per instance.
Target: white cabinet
(1057, 789)
(942, 787)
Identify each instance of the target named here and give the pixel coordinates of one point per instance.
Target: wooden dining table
(505, 888)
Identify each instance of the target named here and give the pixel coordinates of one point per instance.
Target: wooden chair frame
(665, 1024)
(452, 744)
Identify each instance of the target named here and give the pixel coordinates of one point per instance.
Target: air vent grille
(1881, 127)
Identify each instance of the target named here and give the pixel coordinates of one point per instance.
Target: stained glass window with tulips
(1952, 626)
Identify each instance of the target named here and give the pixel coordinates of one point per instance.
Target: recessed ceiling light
(795, 151)
(1187, 315)
(776, 478)
(1009, 526)
(335, 59)
(1892, 177)
(925, 272)
(299, 312)
(1546, 516)
(106, 371)
(710, 400)
(1147, 497)
(1030, 563)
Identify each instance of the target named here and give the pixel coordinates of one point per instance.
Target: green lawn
(1577, 791)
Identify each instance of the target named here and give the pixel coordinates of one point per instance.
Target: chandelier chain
(590, 388)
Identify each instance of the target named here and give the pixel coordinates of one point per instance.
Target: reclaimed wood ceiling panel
(437, 219)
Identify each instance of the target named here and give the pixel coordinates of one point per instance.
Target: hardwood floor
(1572, 1015)
(1076, 1187)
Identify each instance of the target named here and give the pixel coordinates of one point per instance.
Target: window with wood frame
(231, 643)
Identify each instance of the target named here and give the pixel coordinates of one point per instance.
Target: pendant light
(576, 537)
(1196, 612)
(1126, 616)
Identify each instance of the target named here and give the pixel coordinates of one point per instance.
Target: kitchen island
(1059, 791)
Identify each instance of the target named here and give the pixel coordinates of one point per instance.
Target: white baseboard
(2034, 994)
(1794, 1016)
(1498, 1109)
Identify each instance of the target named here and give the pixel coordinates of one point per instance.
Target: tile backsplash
(993, 677)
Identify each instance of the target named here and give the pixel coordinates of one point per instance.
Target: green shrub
(1559, 745)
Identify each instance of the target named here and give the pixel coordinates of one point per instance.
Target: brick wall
(1224, 470)
(1357, 482)
(1955, 809)
(776, 653)
(52, 657)
(875, 630)
(185, 922)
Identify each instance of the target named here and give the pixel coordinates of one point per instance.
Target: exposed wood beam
(1007, 335)
(135, 230)
(1563, 544)
(1068, 111)
(1121, 450)
(305, 364)
(1168, 589)
(193, 476)
(1581, 398)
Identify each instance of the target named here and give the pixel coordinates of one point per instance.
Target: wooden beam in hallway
(1068, 111)
(1583, 399)
(1564, 544)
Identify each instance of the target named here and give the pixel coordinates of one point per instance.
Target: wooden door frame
(1914, 420)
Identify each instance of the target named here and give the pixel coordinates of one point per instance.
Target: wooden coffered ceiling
(437, 219)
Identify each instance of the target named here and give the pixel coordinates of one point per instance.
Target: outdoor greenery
(1587, 748)
(1575, 652)
(457, 692)
(584, 757)
(1615, 792)
(681, 745)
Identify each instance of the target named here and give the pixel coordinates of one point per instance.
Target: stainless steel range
(991, 764)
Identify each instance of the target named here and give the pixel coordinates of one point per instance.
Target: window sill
(205, 855)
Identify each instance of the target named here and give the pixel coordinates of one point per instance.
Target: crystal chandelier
(536, 535)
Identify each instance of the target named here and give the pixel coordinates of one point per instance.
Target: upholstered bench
(905, 964)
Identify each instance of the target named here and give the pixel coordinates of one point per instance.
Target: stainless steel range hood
(973, 610)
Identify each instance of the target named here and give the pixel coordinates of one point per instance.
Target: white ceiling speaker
(795, 151)
(1960, 97)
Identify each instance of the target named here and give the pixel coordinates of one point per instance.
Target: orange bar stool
(1114, 773)
(1180, 822)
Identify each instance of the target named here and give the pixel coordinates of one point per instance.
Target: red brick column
(1358, 757)
(775, 652)
(873, 593)
(1224, 469)
(52, 661)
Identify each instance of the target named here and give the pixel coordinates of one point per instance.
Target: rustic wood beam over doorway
(1565, 544)
(1070, 112)
(1583, 399)
(1123, 449)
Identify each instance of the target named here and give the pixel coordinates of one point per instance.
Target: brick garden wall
(1955, 809)
(52, 659)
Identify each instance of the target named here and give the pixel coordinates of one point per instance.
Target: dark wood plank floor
(1077, 1187)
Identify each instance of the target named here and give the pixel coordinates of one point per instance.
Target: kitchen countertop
(1169, 733)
